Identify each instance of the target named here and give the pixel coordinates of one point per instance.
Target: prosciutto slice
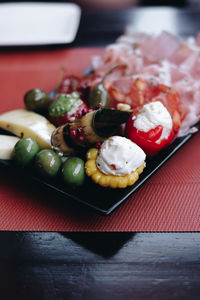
(162, 59)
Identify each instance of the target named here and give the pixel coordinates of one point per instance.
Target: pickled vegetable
(25, 151)
(73, 171)
(99, 96)
(65, 107)
(90, 129)
(48, 163)
(37, 100)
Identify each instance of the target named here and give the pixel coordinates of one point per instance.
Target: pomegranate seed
(73, 133)
(84, 111)
(113, 166)
(79, 130)
(81, 138)
(98, 145)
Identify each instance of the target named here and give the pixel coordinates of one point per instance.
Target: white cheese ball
(152, 115)
(119, 156)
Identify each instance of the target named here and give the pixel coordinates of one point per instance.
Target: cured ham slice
(161, 47)
(164, 59)
(190, 100)
(150, 61)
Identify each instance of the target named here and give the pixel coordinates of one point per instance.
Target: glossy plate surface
(105, 200)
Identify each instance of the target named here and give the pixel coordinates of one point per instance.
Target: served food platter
(99, 136)
(103, 200)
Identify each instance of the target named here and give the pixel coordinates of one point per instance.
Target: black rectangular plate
(106, 200)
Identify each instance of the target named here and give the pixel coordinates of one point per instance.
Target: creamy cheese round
(119, 156)
(152, 115)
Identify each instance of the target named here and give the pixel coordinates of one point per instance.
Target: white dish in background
(38, 23)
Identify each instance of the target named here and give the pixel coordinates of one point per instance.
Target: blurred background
(151, 16)
(118, 4)
(122, 4)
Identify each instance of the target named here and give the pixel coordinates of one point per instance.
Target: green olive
(99, 96)
(73, 171)
(48, 163)
(25, 151)
(37, 100)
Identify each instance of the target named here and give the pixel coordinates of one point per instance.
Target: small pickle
(25, 151)
(37, 100)
(99, 96)
(73, 171)
(48, 163)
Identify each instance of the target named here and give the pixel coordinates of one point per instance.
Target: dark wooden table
(120, 266)
(126, 266)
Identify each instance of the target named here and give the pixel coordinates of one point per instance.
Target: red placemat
(169, 201)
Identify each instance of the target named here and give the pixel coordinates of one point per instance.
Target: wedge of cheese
(24, 123)
(7, 144)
